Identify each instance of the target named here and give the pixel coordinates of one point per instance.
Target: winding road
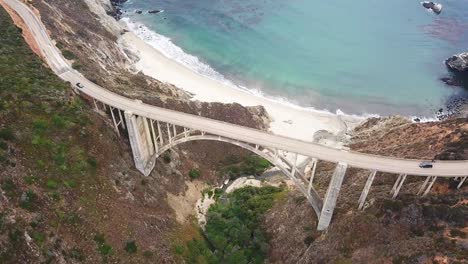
(372, 162)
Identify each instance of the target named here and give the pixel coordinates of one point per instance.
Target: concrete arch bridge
(152, 130)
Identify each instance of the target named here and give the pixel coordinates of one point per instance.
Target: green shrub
(54, 195)
(15, 236)
(103, 248)
(92, 162)
(38, 237)
(2, 222)
(70, 183)
(179, 250)
(31, 179)
(60, 156)
(68, 55)
(40, 126)
(52, 184)
(392, 205)
(131, 247)
(3, 145)
(8, 186)
(77, 66)
(194, 174)
(308, 240)
(77, 254)
(251, 165)
(7, 134)
(28, 199)
(59, 121)
(167, 157)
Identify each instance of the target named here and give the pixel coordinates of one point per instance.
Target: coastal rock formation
(101, 8)
(435, 7)
(458, 63)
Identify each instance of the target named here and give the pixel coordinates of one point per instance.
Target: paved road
(354, 159)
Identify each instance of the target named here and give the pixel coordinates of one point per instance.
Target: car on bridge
(425, 165)
(79, 85)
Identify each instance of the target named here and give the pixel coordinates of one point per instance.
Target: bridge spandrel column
(140, 141)
(331, 196)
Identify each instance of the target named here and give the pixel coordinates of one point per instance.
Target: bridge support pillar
(312, 174)
(429, 187)
(141, 142)
(366, 190)
(462, 180)
(331, 196)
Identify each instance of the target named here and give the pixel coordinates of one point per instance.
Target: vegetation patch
(194, 174)
(68, 55)
(131, 247)
(102, 247)
(233, 231)
(43, 132)
(251, 165)
(28, 200)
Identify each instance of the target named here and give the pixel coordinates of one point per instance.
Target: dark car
(425, 165)
(79, 85)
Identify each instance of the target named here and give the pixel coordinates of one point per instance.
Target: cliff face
(409, 229)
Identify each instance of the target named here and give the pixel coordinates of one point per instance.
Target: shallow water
(361, 57)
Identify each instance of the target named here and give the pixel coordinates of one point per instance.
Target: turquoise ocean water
(374, 56)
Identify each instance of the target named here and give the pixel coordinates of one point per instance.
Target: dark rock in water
(154, 11)
(117, 13)
(417, 120)
(118, 2)
(451, 81)
(428, 5)
(435, 7)
(458, 63)
(138, 11)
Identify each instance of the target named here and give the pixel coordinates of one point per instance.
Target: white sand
(288, 120)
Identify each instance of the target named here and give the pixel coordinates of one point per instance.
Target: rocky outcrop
(102, 8)
(435, 7)
(458, 63)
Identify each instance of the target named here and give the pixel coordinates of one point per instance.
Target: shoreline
(287, 119)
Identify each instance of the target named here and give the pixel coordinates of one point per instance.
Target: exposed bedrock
(458, 63)
(458, 66)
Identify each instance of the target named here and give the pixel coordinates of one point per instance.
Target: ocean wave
(165, 45)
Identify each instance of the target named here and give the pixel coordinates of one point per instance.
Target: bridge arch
(281, 163)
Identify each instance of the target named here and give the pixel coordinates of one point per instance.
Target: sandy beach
(287, 120)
